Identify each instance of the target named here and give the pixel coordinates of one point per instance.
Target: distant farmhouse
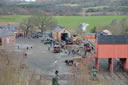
(7, 36)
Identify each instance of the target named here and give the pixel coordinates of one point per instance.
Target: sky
(30, 0)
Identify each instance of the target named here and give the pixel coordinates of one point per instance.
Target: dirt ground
(46, 62)
(41, 60)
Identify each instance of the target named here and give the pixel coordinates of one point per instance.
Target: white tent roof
(107, 32)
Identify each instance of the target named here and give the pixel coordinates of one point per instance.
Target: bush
(93, 30)
(117, 27)
(91, 10)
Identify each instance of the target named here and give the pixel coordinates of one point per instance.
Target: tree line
(62, 7)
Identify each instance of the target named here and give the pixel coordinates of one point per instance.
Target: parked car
(35, 36)
(47, 41)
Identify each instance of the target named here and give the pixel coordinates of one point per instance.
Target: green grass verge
(16, 19)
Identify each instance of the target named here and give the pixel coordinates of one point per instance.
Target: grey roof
(9, 27)
(58, 29)
(5, 32)
(112, 39)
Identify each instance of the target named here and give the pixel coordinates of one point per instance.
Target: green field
(15, 19)
(70, 22)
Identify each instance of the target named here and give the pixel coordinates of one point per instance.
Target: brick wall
(8, 40)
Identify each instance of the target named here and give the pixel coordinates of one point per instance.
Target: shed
(112, 47)
(9, 27)
(7, 38)
(61, 33)
(12, 28)
(90, 36)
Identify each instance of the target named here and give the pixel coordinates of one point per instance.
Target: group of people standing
(70, 52)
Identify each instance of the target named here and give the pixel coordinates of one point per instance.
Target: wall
(54, 34)
(112, 51)
(90, 37)
(8, 40)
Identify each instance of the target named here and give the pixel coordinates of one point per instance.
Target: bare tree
(44, 22)
(27, 25)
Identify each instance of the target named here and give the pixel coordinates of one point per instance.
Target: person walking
(27, 48)
(18, 47)
(94, 70)
(55, 79)
(48, 48)
(25, 54)
(69, 52)
(73, 52)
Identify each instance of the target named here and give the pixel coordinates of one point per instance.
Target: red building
(111, 47)
(19, 34)
(90, 36)
(7, 38)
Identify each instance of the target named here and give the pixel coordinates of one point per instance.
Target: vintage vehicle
(87, 47)
(69, 42)
(78, 42)
(47, 41)
(57, 48)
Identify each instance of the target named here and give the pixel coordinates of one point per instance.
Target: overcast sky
(30, 0)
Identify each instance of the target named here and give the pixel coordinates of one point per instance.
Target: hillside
(66, 7)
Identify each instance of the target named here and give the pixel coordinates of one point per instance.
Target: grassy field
(15, 19)
(70, 22)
